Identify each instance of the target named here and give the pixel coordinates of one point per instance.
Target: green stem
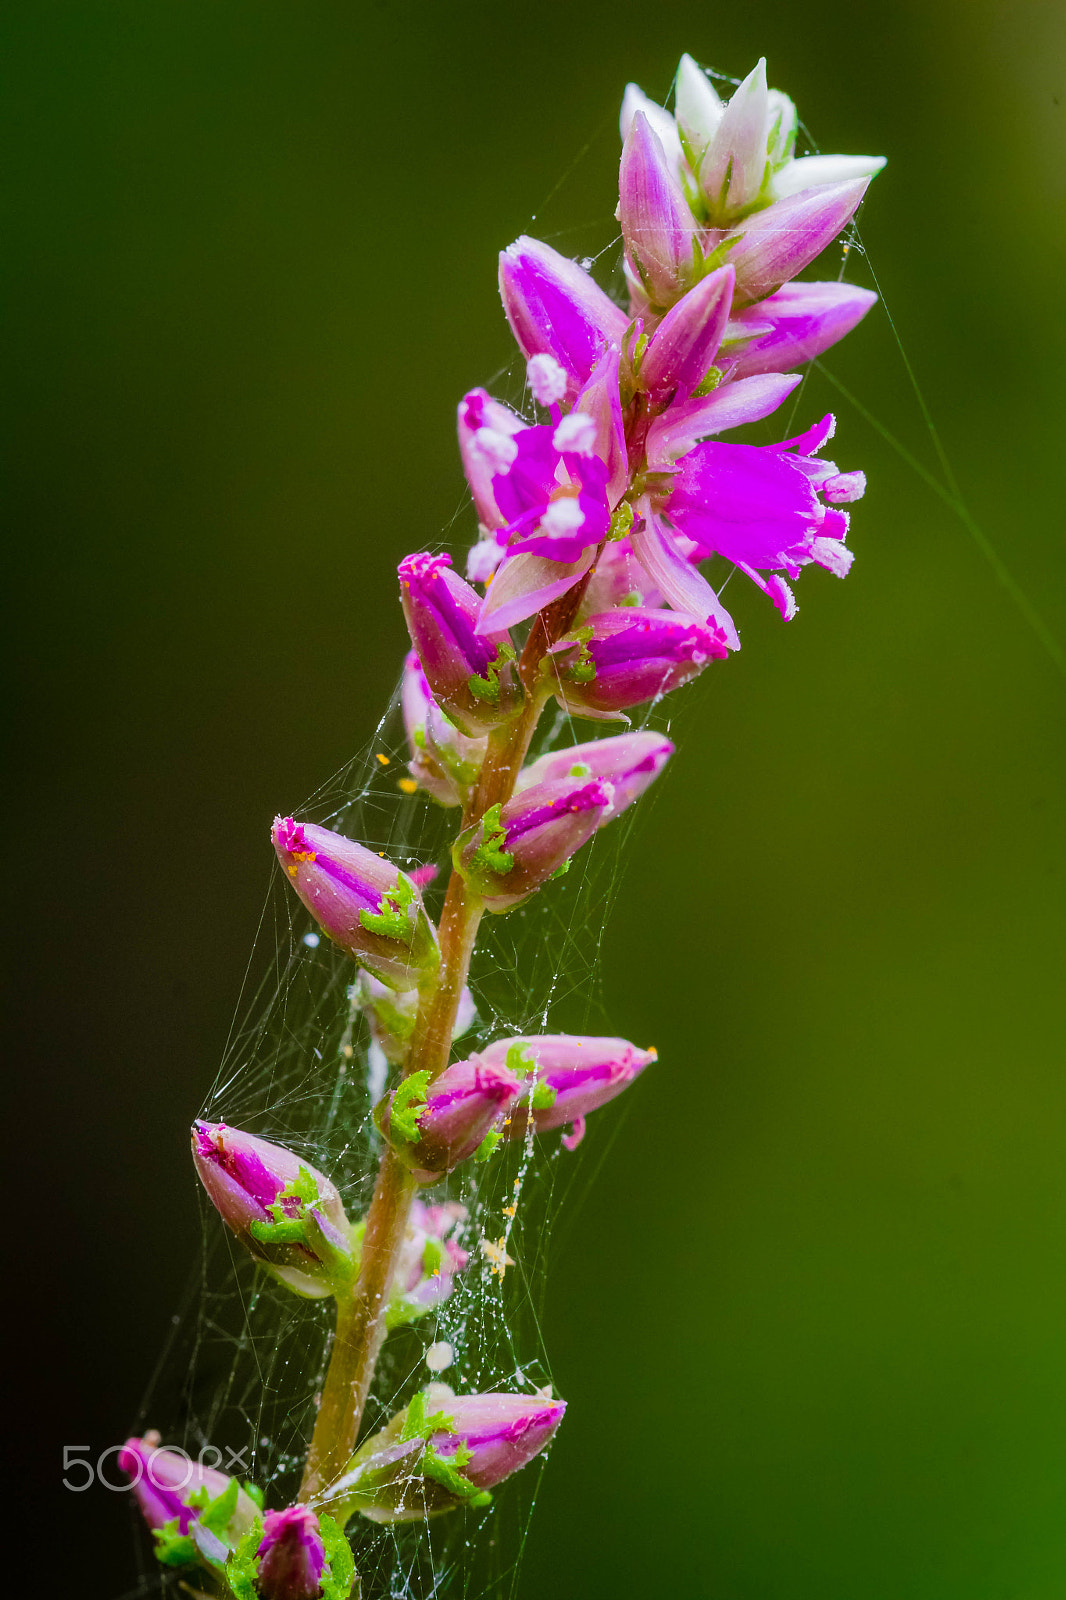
(361, 1324)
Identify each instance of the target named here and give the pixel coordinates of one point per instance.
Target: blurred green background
(809, 1317)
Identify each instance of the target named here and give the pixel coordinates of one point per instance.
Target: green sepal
(520, 1058)
(560, 872)
(337, 1583)
(432, 1256)
(621, 521)
(174, 1549)
(284, 1229)
(490, 853)
(488, 1144)
(448, 1475)
(488, 688)
(708, 383)
(417, 1425)
(544, 1097)
(408, 1107)
(255, 1494)
(242, 1568)
(391, 920)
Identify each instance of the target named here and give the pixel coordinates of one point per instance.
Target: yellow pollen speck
(407, 785)
(383, 759)
(509, 1211)
(291, 870)
(348, 1052)
(304, 855)
(381, 853)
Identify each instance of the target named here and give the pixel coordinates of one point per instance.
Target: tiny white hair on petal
(547, 379)
(782, 595)
(497, 449)
(562, 517)
(576, 433)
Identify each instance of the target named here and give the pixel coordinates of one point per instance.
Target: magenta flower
(759, 507)
(285, 1213)
(620, 659)
(681, 352)
(433, 1126)
(630, 763)
(570, 1075)
(291, 1558)
(796, 324)
(659, 230)
(516, 847)
(444, 1451)
(444, 761)
(364, 903)
(471, 674)
(556, 309)
(196, 1514)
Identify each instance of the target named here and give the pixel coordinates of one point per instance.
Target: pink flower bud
(680, 357)
(364, 903)
(775, 244)
(796, 324)
(434, 1126)
(291, 1557)
(556, 309)
(443, 761)
(196, 1514)
(445, 1451)
(472, 676)
(629, 763)
(620, 659)
(285, 1213)
(429, 1261)
(657, 225)
(516, 847)
(567, 1076)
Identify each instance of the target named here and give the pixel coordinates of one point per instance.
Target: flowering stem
(361, 1325)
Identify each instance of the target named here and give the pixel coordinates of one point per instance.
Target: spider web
(237, 1383)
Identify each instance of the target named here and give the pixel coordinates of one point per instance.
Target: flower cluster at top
(594, 523)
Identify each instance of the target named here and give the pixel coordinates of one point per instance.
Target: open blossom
(445, 1450)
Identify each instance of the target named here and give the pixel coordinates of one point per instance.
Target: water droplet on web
(311, 940)
(439, 1356)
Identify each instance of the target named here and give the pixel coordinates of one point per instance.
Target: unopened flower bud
(556, 309)
(364, 903)
(285, 1213)
(443, 761)
(429, 1261)
(433, 1126)
(391, 1014)
(773, 245)
(472, 676)
(516, 847)
(679, 359)
(619, 659)
(658, 228)
(443, 1451)
(567, 1076)
(796, 324)
(196, 1514)
(629, 763)
(292, 1555)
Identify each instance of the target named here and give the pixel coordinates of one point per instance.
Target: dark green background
(810, 1316)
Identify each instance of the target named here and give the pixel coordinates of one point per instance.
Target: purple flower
(795, 325)
(516, 847)
(629, 763)
(196, 1514)
(364, 903)
(429, 1261)
(619, 659)
(444, 1451)
(433, 1126)
(471, 674)
(443, 761)
(658, 227)
(757, 506)
(681, 351)
(569, 1075)
(286, 1214)
(291, 1558)
(556, 309)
